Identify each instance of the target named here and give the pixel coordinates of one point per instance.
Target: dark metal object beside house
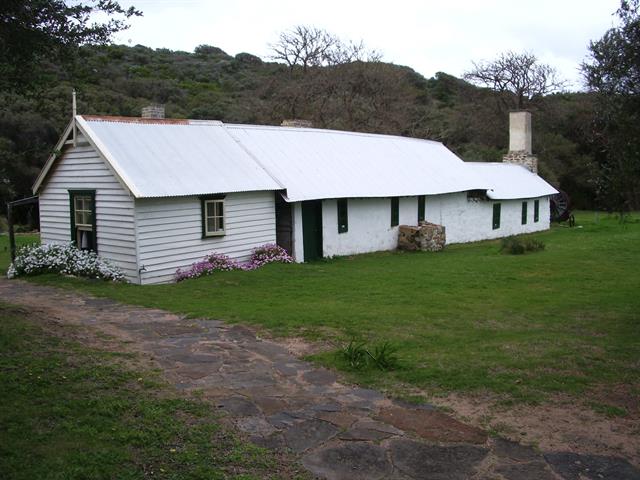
(560, 204)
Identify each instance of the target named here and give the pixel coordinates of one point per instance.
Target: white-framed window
(83, 209)
(213, 223)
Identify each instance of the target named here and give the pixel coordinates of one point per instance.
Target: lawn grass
(5, 253)
(468, 319)
(72, 412)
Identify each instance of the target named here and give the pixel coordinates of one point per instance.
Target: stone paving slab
(572, 466)
(526, 471)
(432, 425)
(356, 461)
(337, 431)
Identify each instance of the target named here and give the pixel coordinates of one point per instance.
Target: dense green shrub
(519, 246)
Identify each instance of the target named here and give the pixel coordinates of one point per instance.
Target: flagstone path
(337, 431)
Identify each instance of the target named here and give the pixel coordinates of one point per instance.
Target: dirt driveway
(337, 431)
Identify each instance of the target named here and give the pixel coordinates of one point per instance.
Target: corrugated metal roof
(161, 158)
(313, 163)
(508, 181)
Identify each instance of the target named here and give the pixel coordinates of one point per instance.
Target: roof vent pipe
(153, 111)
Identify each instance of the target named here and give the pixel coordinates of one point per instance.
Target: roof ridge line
(328, 130)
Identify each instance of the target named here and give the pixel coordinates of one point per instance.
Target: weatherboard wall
(81, 168)
(170, 232)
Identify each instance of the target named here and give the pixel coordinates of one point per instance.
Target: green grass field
(468, 319)
(5, 253)
(72, 412)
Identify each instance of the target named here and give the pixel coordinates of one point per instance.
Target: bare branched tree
(306, 46)
(303, 46)
(350, 52)
(517, 73)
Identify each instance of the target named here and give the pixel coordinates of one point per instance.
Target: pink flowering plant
(215, 262)
(218, 262)
(269, 253)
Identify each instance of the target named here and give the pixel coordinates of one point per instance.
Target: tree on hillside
(518, 75)
(613, 73)
(306, 46)
(33, 31)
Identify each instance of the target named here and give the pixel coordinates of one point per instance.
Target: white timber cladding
(82, 168)
(170, 231)
(465, 221)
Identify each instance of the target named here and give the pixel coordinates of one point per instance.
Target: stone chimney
(297, 123)
(520, 141)
(153, 111)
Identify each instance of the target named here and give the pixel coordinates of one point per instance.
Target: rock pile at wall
(427, 237)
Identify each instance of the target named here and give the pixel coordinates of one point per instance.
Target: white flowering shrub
(65, 259)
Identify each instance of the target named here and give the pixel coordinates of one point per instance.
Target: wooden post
(12, 238)
(74, 113)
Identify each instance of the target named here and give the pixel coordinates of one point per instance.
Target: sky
(428, 36)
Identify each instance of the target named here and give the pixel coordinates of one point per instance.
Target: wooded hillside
(359, 96)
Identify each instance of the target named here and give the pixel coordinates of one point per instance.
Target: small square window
(213, 217)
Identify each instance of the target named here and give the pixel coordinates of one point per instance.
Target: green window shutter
(343, 215)
(421, 208)
(203, 217)
(496, 215)
(524, 213)
(395, 211)
(536, 210)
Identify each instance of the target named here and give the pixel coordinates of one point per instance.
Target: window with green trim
(343, 215)
(422, 200)
(213, 220)
(395, 211)
(536, 210)
(496, 216)
(524, 213)
(83, 219)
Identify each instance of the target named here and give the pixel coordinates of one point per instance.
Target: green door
(312, 229)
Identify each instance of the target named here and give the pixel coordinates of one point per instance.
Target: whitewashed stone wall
(370, 222)
(470, 221)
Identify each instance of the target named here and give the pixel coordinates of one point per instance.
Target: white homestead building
(153, 195)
